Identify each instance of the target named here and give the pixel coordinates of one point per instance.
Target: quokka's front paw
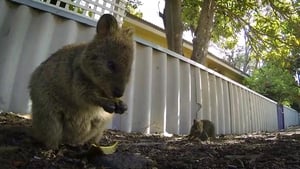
(110, 107)
(121, 107)
(116, 106)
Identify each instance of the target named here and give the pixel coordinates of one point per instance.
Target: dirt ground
(136, 150)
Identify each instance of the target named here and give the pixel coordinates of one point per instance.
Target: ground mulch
(274, 150)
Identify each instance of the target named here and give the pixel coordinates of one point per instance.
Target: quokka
(77, 89)
(202, 129)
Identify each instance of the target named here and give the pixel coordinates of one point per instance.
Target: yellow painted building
(156, 35)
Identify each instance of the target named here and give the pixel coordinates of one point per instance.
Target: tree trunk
(203, 31)
(173, 25)
(246, 66)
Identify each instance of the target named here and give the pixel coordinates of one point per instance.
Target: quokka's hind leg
(97, 135)
(47, 126)
(98, 126)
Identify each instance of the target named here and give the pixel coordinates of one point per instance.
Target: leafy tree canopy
(271, 28)
(274, 81)
(131, 7)
(271, 31)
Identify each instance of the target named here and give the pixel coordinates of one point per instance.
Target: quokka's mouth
(107, 94)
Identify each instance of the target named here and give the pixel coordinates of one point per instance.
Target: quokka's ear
(107, 25)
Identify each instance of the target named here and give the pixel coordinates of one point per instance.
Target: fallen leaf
(107, 149)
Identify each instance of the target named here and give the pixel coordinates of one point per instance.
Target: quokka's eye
(111, 66)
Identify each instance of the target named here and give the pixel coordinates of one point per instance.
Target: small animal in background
(202, 129)
(77, 89)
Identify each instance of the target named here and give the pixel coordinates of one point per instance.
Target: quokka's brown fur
(76, 90)
(202, 129)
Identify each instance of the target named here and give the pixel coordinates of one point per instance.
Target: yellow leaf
(297, 41)
(107, 149)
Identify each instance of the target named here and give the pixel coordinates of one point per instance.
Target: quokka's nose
(118, 93)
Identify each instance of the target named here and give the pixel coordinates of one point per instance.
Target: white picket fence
(165, 93)
(90, 9)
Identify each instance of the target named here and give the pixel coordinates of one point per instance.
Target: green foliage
(271, 31)
(238, 58)
(132, 6)
(274, 81)
(190, 14)
(78, 10)
(271, 28)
